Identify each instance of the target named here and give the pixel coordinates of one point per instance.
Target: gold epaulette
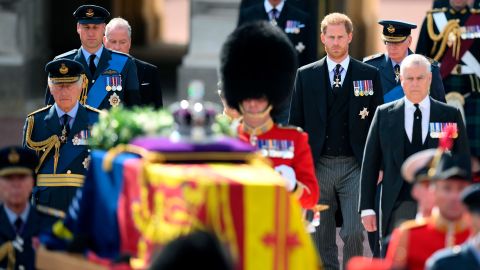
(94, 109)
(412, 224)
(299, 129)
(40, 110)
(444, 9)
(373, 56)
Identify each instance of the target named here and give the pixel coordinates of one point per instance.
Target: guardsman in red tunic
(416, 240)
(258, 66)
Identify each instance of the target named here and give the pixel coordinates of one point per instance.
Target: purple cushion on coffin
(221, 144)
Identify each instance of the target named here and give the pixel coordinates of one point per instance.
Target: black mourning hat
(452, 167)
(86, 14)
(17, 160)
(64, 70)
(257, 60)
(471, 198)
(396, 31)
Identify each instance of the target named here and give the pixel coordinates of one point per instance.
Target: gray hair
(118, 22)
(415, 60)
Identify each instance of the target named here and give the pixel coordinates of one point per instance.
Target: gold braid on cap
(450, 34)
(45, 145)
(83, 95)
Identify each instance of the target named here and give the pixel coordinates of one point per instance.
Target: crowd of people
(390, 144)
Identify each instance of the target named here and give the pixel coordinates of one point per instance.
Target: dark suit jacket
(387, 75)
(72, 156)
(386, 145)
(149, 80)
(449, 258)
(308, 108)
(289, 13)
(31, 229)
(129, 95)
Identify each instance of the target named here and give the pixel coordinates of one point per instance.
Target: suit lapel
(6, 228)
(436, 115)
(81, 58)
(388, 71)
(397, 127)
(80, 119)
(319, 92)
(103, 63)
(52, 121)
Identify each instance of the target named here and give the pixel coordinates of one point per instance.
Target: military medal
(86, 162)
(363, 113)
(114, 100)
(119, 83)
(108, 87)
(356, 89)
(63, 137)
(76, 140)
(114, 84)
(300, 47)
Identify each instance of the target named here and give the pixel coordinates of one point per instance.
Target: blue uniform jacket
(74, 155)
(387, 75)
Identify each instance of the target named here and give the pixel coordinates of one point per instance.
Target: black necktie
(337, 77)
(274, 14)
(396, 69)
(91, 65)
(18, 224)
(417, 127)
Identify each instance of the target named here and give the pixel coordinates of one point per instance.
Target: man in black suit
(333, 101)
(19, 221)
(467, 255)
(118, 37)
(112, 76)
(294, 22)
(397, 39)
(400, 129)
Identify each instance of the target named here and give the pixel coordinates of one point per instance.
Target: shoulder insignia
(299, 129)
(88, 107)
(66, 54)
(40, 110)
(444, 9)
(50, 211)
(412, 224)
(373, 56)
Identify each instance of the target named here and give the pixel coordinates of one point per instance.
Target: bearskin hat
(257, 60)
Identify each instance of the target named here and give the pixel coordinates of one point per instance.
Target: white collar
(424, 104)
(269, 7)
(331, 64)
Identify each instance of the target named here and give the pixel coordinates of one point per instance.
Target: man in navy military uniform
(451, 35)
(397, 39)
(59, 134)
(466, 256)
(19, 222)
(112, 76)
(118, 37)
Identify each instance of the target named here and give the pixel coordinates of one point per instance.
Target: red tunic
(289, 146)
(415, 241)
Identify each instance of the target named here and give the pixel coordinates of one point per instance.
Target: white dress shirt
(331, 68)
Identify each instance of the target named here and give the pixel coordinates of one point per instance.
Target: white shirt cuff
(367, 212)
